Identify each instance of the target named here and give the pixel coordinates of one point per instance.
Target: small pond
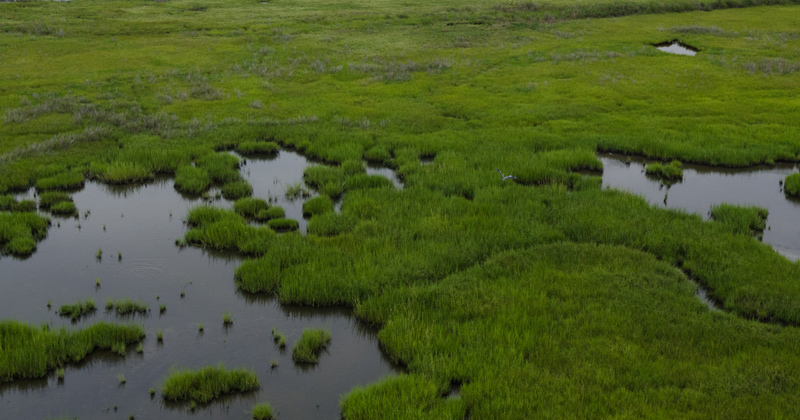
(676, 47)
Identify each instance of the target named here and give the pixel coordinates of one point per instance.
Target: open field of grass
(544, 296)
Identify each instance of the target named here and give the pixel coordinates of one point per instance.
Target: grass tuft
(249, 148)
(740, 219)
(311, 344)
(78, 309)
(283, 224)
(206, 384)
(261, 412)
(792, 185)
(320, 204)
(671, 172)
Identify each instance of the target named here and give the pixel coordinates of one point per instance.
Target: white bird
(505, 177)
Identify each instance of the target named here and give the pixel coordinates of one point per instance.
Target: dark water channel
(704, 187)
(676, 47)
(142, 223)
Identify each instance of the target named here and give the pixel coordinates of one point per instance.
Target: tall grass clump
(127, 306)
(250, 207)
(78, 309)
(283, 224)
(261, 412)
(378, 154)
(248, 148)
(329, 180)
(311, 344)
(64, 208)
(320, 204)
(225, 229)
(63, 181)
(221, 167)
(363, 181)
(120, 172)
(792, 185)
(7, 203)
(273, 212)
(669, 172)
(206, 384)
(30, 352)
(192, 180)
(20, 231)
(26, 206)
(741, 219)
(48, 199)
(236, 190)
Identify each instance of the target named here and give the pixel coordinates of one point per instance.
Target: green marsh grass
(19, 232)
(121, 378)
(60, 374)
(320, 204)
(200, 327)
(792, 185)
(30, 352)
(140, 348)
(378, 154)
(227, 319)
(249, 148)
(739, 219)
(99, 254)
(221, 167)
(282, 224)
(250, 207)
(160, 335)
(25, 206)
(192, 180)
(119, 348)
(7, 203)
(48, 199)
(310, 346)
(64, 181)
(261, 411)
(273, 212)
(79, 309)
(296, 190)
(279, 338)
(361, 181)
(64, 208)
(127, 306)
(331, 224)
(235, 190)
(669, 172)
(401, 397)
(206, 384)
(224, 229)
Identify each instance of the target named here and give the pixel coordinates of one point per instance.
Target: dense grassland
(544, 297)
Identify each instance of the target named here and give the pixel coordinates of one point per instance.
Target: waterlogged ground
(142, 224)
(704, 187)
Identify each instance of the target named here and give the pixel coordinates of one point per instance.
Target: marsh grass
(282, 224)
(206, 384)
(64, 181)
(221, 167)
(250, 207)
(363, 181)
(160, 335)
(740, 219)
(31, 352)
(310, 345)
(7, 203)
(227, 319)
(225, 229)
(667, 172)
(237, 189)
(279, 338)
(296, 190)
(320, 204)
(261, 412)
(331, 224)
(127, 306)
(121, 378)
(26, 206)
(64, 208)
(48, 199)
(378, 154)
(405, 396)
(249, 148)
(273, 212)
(792, 185)
(192, 180)
(20, 231)
(78, 309)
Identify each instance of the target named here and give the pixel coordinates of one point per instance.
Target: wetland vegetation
(543, 296)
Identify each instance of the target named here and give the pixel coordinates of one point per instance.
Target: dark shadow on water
(676, 47)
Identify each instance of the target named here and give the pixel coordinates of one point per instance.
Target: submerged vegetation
(29, 352)
(310, 345)
(206, 384)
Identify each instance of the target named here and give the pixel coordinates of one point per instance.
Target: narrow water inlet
(676, 47)
(705, 186)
